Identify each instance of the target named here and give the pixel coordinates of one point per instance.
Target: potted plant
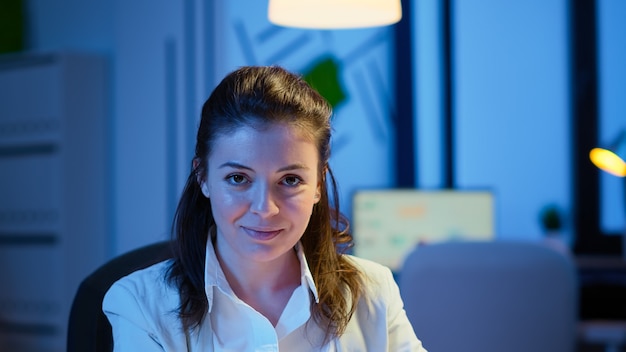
(551, 219)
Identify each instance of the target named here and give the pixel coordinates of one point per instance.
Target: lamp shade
(334, 14)
(611, 159)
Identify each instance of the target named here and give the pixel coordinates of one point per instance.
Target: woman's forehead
(279, 141)
(299, 128)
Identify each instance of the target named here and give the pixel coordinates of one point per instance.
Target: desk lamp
(334, 14)
(611, 159)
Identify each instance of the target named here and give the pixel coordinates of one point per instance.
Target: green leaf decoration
(11, 26)
(324, 77)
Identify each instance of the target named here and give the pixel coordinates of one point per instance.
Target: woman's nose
(263, 201)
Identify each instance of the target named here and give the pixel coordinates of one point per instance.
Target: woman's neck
(266, 286)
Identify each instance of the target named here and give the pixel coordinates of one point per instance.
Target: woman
(259, 263)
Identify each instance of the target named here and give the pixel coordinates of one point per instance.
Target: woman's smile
(261, 234)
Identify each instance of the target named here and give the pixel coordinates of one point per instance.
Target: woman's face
(262, 185)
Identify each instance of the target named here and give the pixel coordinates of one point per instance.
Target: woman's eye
(236, 179)
(292, 180)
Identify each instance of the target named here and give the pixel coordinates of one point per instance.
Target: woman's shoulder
(380, 322)
(147, 287)
(142, 308)
(369, 268)
(377, 279)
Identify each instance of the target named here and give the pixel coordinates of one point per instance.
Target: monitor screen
(388, 224)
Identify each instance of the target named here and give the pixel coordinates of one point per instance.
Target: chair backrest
(89, 329)
(491, 297)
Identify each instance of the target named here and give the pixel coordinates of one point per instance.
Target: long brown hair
(258, 96)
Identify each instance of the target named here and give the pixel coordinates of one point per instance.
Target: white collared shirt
(141, 308)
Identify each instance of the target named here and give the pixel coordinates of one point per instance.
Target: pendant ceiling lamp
(334, 14)
(613, 158)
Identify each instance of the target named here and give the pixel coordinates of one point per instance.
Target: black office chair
(89, 329)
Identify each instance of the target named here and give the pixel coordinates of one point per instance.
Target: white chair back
(491, 297)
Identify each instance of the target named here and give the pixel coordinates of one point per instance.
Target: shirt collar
(306, 276)
(214, 276)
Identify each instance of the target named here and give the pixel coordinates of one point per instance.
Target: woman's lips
(262, 234)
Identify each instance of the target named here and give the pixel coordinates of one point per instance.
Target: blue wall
(512, 108)
(510, 105)
(612, 110)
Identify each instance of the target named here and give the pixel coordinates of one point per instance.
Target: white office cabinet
(53, 192)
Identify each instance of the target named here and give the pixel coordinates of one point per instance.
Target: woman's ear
(318, 190)
(200, 178)
(205, 188)
(318, 194)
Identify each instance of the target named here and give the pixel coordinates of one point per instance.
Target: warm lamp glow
(334, 14)
(608, 161)
(611, 159)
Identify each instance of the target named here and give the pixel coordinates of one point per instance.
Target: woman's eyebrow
(293, 167)
(234, 165)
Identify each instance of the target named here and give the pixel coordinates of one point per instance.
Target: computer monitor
(388, 224)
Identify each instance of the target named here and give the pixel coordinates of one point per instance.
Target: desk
(602, 301)
(610, 334)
